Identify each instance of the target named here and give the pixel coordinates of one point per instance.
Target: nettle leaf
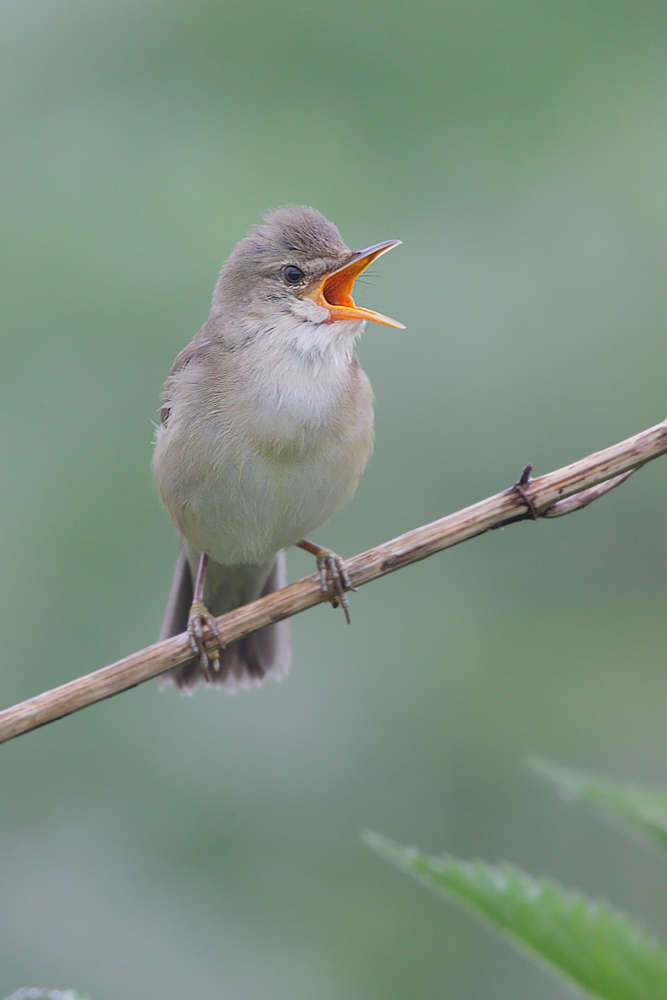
(641, 809)
(588, 942)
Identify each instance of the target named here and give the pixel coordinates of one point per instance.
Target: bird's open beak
(334, 290)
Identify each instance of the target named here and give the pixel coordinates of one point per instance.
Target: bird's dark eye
(292, 274)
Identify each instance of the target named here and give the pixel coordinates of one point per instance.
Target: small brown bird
(266, 426)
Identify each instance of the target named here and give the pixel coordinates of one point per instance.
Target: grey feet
(334, 580)
(334, 577)
(205, 638)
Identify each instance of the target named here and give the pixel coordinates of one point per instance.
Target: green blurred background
(161, 847)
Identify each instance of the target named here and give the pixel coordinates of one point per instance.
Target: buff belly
(242, 509)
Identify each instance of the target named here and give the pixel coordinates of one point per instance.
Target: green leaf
(642, 809)
(589, 943)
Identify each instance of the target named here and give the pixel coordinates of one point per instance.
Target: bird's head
(295, 269)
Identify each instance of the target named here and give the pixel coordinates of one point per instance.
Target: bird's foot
(334, 577)
(205, 639)
(334, 580)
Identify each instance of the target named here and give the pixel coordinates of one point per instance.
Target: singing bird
(266, 426)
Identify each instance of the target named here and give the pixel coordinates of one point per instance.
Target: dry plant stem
(555, 494)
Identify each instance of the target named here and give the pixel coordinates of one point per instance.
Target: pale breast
(243, 476)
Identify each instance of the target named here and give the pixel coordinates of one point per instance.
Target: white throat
(302, 371)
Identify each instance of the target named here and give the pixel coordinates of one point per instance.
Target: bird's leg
(204, 635)
(334, 577)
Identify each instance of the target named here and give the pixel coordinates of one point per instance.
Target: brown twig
(555, 494)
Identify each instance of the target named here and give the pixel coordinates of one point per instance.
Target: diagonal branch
(555, 494)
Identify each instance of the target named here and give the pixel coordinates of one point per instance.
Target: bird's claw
(334, 580)
(205, 639)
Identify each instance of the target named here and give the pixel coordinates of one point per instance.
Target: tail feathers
(244, 663)
(179, 601)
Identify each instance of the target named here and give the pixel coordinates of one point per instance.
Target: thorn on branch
(524, 478)
(519, 487)
(561, 507)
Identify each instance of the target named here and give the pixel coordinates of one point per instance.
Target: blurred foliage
(37, 993)
(161, 846)
(642, 810)
(589, 943)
